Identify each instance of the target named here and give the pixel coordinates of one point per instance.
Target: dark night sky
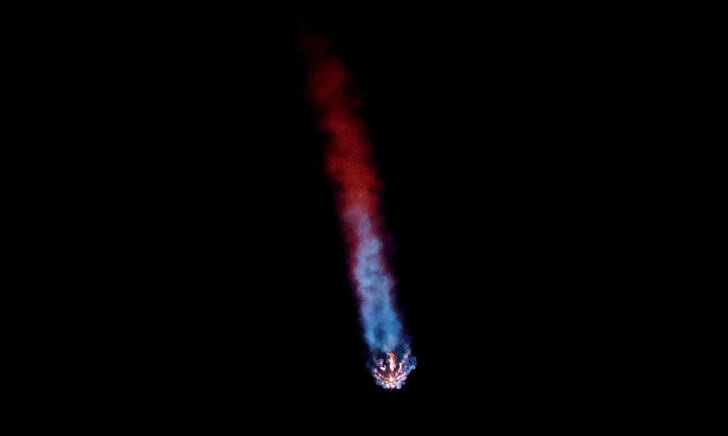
(503, 141)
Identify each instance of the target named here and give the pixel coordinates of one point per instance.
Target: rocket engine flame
(357, 186)
(390, 373)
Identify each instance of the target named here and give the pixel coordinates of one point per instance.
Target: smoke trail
(348, 163)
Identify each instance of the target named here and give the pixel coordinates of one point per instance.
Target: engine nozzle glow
(391, 373)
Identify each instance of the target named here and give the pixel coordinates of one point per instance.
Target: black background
(506, 145)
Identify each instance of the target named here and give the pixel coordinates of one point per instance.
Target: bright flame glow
(391, 374)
